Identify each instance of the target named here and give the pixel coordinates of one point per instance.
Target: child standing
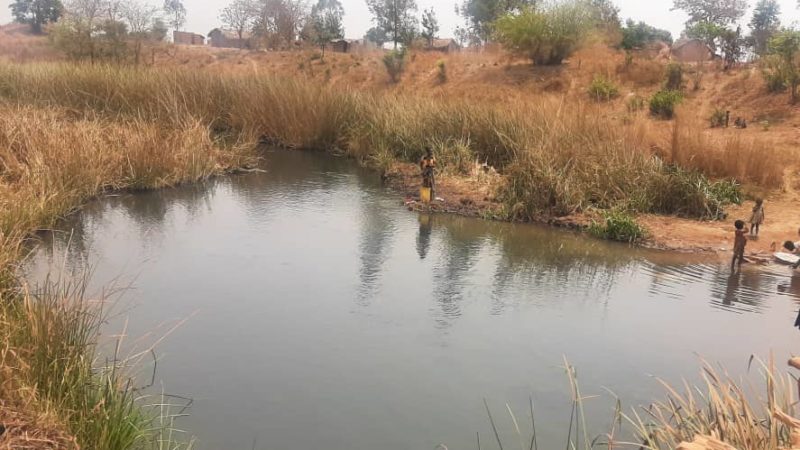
(739, 245)
(757, 218)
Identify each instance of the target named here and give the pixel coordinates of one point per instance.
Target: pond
(304, 308)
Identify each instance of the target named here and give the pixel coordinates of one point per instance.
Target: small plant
(719, 118)
(635, 103)
(663, 103)
(316, 56)
(395, 63)
(602, 89)
(441, 71)
(674, 77)
(618, 225)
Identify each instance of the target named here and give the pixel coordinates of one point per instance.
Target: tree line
(545, 31)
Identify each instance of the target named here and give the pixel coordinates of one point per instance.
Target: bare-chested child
(739, 245)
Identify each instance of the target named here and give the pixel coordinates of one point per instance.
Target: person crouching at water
(428, 167)
(757, 218)
(739, 245)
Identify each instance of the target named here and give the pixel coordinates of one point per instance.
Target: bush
(547, 35)
(689, 193)
(663, 103)
(602, 89)
(719, 118)
(674, 77)
(618, 225)
(395, 62)
(441, 71)
(775, 82)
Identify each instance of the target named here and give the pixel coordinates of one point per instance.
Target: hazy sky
(203, 14)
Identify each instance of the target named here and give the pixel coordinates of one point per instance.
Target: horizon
(203, 16)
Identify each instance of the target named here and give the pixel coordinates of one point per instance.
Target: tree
(546, 35)
(718, 12)
(639, 35)
(732, 45)
(708, 32)
(395, 17)
(159, 30)
(784, 47)
(239, 17)
(377, 35)
(280, 20)
(176, 13)
(482, 14)
(764, 24)
(430, 26)
(326, 19)
(139, 18)
(605, 14)
(36, 13)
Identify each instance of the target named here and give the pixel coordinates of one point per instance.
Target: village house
(444, 46)
(228, 39)
(184, 38)
(691, 51)
(352, 45)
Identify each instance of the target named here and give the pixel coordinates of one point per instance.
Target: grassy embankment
(68, 133)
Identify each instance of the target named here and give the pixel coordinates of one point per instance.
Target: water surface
(321, 314)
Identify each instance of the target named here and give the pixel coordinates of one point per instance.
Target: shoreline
(470, 197)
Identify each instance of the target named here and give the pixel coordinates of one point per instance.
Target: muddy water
(320, 314)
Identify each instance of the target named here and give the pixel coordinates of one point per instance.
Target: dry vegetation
(71, 132)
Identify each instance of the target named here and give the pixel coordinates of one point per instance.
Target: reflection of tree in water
(460, 250)
(377, 231)
(147, 214)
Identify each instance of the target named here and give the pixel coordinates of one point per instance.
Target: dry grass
(687, 143)
(723, 413)
(17, 45)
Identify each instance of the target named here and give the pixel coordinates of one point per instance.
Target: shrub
(441, 71)
(775, 82)
(618, 225)
(547, 35)
(674, 77)
(635, 103)
(395, 63)
(663, 103)
(718, 118)
(602, 89)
